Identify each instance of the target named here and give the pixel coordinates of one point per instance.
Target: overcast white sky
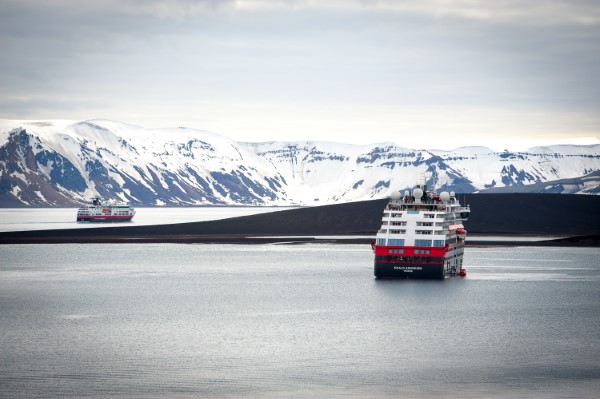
(429, 73)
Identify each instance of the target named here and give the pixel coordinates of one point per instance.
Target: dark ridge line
(491, 214)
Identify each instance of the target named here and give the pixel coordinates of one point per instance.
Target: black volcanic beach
(576, 218)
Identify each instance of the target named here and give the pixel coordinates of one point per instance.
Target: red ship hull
(417, 262)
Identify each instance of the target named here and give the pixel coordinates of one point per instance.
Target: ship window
(396, 241)
(423, 243)
(438, 243)
(427, 252)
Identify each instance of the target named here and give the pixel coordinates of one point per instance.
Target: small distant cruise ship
(421, 236)
(98, 211)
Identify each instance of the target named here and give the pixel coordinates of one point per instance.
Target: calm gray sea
(229, 321)
(22, 219)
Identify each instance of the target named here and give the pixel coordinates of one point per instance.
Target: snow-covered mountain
(64, 163)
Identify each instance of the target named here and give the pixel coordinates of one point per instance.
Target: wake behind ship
(98, 211)
(421, 236)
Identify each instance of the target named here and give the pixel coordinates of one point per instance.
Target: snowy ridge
(63, 163)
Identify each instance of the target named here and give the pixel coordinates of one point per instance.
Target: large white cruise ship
(421, 236)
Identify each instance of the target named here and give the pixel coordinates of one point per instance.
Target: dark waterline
(167, 320)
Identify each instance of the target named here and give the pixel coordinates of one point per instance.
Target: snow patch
(39, 194)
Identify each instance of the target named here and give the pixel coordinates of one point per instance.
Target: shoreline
(28, 239)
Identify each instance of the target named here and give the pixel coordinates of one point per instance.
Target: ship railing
(461, 209)
(419, 207)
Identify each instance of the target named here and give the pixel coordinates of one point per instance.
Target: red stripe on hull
(384, 250)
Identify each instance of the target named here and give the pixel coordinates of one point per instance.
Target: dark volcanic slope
(538, 214)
